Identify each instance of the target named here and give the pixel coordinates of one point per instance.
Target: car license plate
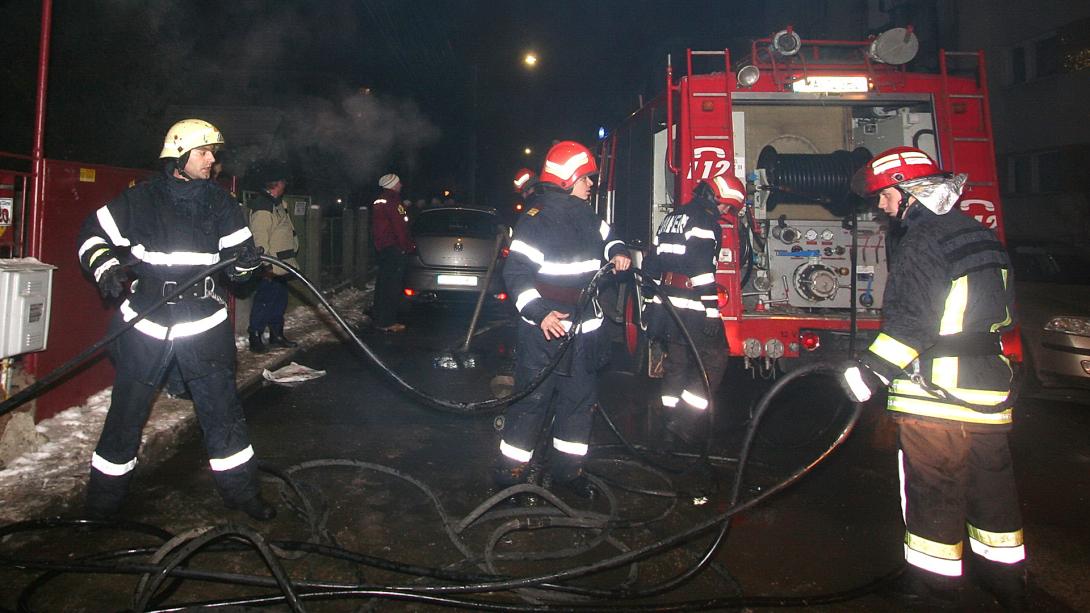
(457, 280)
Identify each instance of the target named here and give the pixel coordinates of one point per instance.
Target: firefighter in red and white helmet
(524, 183)
(557, 247)
(682, 265)
(947, 300)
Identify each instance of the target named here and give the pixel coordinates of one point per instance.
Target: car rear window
(1050, 263)
(455, 223)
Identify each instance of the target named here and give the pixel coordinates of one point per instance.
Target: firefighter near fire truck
(682, 263)
(557, 247)
(161, 232)
(525, 183)
(948, 298)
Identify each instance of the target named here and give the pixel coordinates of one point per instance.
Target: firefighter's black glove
(860, 382)
(112, 281)
(249, 260)
(713, 327)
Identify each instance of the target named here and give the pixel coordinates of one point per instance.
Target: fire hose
(295, 592)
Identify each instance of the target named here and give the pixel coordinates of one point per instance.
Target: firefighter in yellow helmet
(946, 302)
(159, 233)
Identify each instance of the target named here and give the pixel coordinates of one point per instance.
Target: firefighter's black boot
(508, 472)
(920, 589)
(581, 486)
(256, 345)
(277, 338)
(1005, 582)
(683, 427)
(568, 476)
(105, 495)
(255, 507)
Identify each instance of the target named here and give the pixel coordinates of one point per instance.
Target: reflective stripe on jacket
(687, 243)
(562, 242)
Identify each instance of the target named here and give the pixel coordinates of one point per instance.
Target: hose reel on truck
(808, 261)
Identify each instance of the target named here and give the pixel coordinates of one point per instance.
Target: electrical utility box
(26, 286)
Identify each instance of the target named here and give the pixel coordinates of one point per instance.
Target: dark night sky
(119, 66)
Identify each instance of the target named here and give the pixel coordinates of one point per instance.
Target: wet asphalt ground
(358, 465)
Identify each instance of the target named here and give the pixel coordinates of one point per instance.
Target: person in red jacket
(390, 233)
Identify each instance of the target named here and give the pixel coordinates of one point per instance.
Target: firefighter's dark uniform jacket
(682, 263)
(273, 230)
(557, 247)
(948, 295)
(172, 230)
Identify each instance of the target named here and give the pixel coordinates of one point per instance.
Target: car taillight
(809, 340)
(410, 292)
(501, 296)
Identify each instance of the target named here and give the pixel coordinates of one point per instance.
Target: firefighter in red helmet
(682, 265)
(947, 300)
(524, 183)
(557, 247)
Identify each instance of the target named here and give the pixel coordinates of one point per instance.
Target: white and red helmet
(727, 189)
(893, 167)
(566, 163)
(522, 178)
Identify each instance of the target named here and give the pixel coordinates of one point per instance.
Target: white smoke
(362, 134)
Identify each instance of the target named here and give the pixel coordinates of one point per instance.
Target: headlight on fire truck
(748, 75)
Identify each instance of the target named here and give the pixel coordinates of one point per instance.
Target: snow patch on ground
(55, 475)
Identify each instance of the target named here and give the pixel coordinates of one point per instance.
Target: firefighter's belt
(678, 280)
(285, 254)
(557, 293)
(965, 344)
(161, 288)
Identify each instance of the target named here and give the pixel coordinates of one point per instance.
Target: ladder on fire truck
(967, 138)
(696, 99)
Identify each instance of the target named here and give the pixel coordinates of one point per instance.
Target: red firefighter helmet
(522, 177)
(893, 167)
(727, 189)
(566, 163)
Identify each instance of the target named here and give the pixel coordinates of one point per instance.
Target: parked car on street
(1052, 281)
(454, 248)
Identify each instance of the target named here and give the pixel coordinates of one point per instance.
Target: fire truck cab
(802, 269)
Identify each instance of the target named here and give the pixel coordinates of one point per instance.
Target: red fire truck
(802, 270)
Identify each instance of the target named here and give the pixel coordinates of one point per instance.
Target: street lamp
(527, 151)
(530, 59)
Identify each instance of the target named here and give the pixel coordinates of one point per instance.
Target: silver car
(1052, 281)
(454, 247)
